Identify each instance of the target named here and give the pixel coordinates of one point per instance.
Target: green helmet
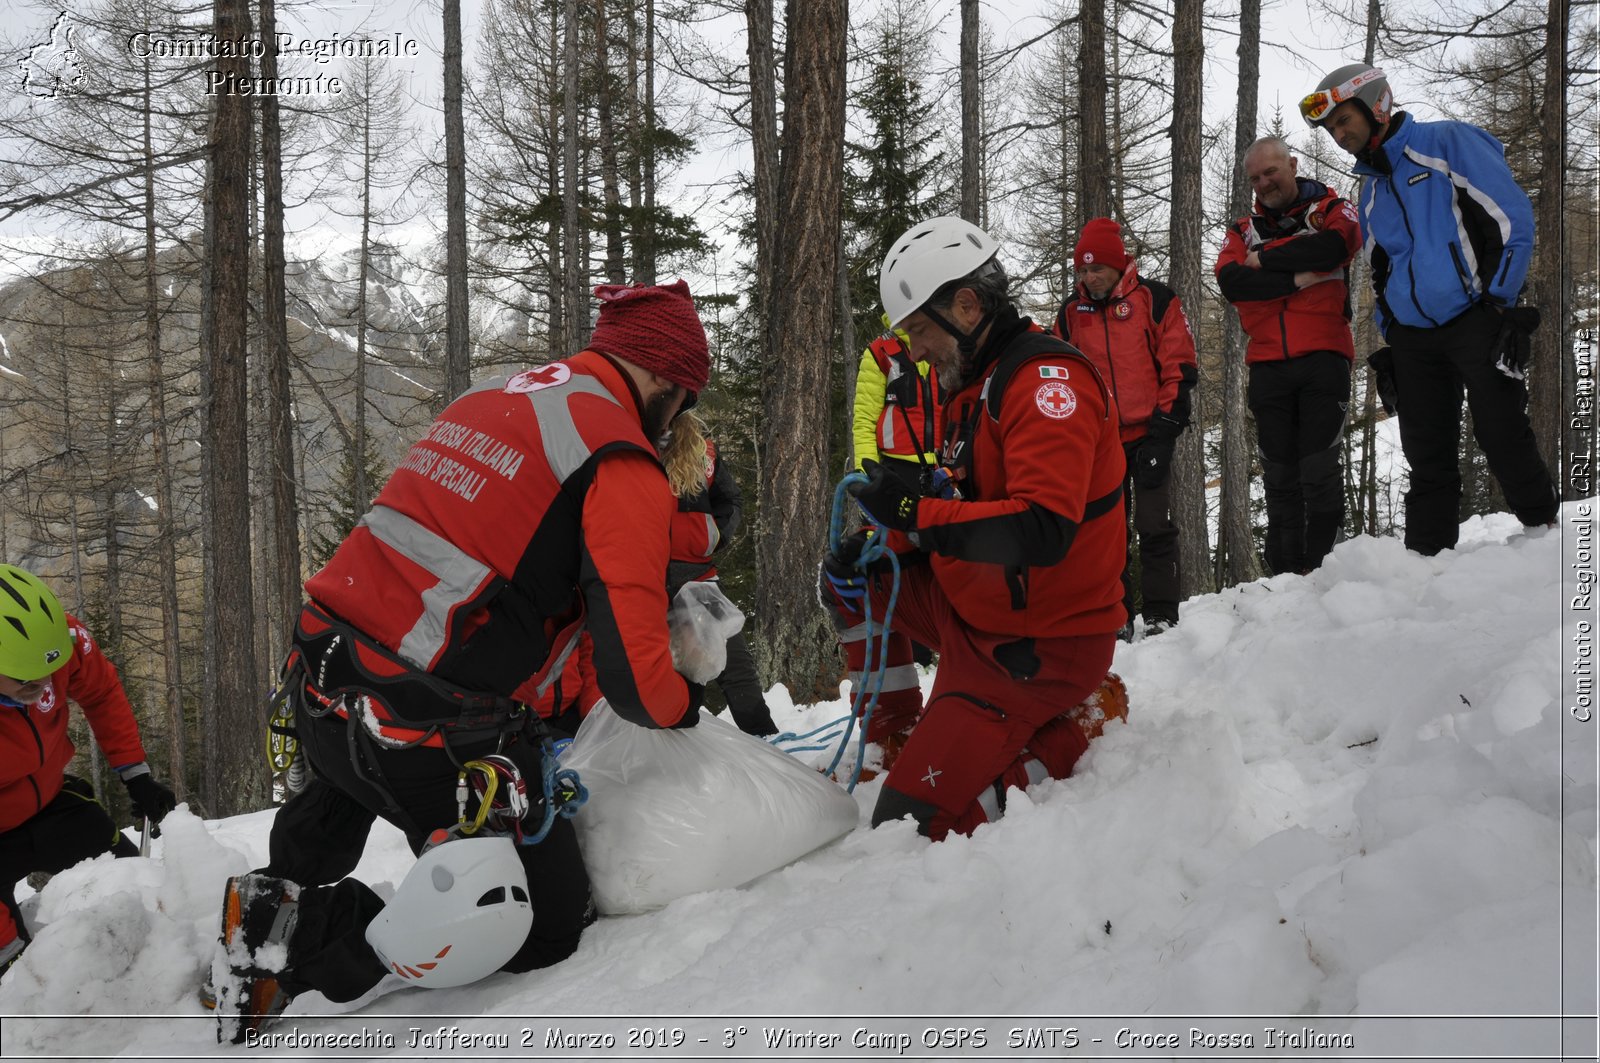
(34, 640)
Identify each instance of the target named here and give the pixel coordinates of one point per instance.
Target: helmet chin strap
(966, 342)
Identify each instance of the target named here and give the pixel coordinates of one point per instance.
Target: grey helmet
(1362, 82)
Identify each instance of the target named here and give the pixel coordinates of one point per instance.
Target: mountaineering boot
(259, 913)
(1108, 702)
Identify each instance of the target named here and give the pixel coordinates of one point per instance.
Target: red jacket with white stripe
(1139, 340)
(704, 523)
(34, 745)
(529, 501)
(1318, 233)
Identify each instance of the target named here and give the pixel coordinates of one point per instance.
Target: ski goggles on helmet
(1316, 106)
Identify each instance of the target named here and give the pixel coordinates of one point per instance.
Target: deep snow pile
(1349, 794)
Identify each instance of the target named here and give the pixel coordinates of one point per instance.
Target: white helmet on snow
(459, 915)
(927, 257)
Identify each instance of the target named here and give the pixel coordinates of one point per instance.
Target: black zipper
(1411, 261)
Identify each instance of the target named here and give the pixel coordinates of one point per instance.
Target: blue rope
(553, 779)
(864, 699)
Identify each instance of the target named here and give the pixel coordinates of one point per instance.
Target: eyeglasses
(1315, 107)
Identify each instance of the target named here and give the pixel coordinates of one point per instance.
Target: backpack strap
(1026, 347)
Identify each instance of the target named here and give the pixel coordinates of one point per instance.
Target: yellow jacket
(876, 430)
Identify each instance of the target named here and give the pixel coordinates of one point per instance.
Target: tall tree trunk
(764, 150)
(358, 418)
(1188, 467)
(647, 228)
(1236, 549)
(970, 135)
(1365, 330)
(457, 341)
(1094, 195)
(1551, 288)
(573, 260)
(561, 343)
(285, 571)
(234, 779)
(796, 642)
(166, 524)
(636, 135)
(616, 270)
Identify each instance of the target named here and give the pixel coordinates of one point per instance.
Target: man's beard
(658, 412)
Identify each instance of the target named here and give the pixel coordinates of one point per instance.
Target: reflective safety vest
(909, 422)
(467, 566)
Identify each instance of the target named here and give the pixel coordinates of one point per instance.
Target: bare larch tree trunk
(616, 270)
(970, 134)
(764, 148)
(1094, 158)
(1188, 467)
(234, 779)
(573, 261)
(1552, 360)
(1236, 551)
(797, 641)
(457, 342)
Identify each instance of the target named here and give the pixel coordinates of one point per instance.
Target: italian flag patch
(1053, 372)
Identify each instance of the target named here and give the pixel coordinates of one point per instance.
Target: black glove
(1513, 347)
(1152, 461)
(885, 499)
(847, 582)
(760, 724)
(1382, 363)
(150, 798)
(1164, 426)
(691, 715)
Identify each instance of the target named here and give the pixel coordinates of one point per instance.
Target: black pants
(1432, 367)
(317, 838)
(1300, 406)
(73, 827)
(742, 687)
(1157, 538)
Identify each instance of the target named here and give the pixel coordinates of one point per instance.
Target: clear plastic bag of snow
(672, 813)
(700, 623)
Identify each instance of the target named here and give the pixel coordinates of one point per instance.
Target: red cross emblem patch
(546, 376)
(1055, 400)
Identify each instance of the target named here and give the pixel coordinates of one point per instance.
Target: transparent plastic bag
(700, 622)
(672, 813)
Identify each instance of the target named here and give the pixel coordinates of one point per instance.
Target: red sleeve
(1342, 219)
(93, 683)
(1174, 350)
(1233, 251)
(627, 518)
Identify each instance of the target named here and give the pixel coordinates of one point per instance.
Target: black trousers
(1432, 367)
(742, 686)
(1300, 406)
(73, 827)
(317, 839)
(1157, 538)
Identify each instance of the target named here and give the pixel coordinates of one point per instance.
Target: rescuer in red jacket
(1017, 581)
(1283, 269)
(1134, 331)
(50, 820)
(534, 509)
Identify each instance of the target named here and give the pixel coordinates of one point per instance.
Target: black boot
(259, 913)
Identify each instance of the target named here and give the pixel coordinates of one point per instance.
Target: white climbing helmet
(928, 256)
(459, 915)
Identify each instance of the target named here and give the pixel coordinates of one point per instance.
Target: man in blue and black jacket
(1449, 235)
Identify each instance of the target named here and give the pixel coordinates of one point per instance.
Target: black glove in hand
(1382, 363)
(150, 798)
(1152, 461)
(691, 715)
(1513, 347)
(885, 499)
(1164, 426)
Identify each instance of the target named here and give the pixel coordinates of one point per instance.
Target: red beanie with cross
(1100, 244)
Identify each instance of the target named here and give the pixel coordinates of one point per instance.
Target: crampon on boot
(259, 913)
(1108, 702)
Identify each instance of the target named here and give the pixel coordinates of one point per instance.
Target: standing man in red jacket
(1134, 331)
(1283, 269)
(534, 509)
(1015, 582)
(50, 820)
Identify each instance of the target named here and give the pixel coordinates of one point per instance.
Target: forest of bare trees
(223, 317)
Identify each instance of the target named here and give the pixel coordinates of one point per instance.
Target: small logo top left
(52, 65)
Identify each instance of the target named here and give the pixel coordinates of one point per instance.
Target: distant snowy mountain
(1340, 803)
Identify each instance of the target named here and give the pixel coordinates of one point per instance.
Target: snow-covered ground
(1339, 801)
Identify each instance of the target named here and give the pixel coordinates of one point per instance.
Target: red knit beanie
(1100, 244)
(655, 328)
